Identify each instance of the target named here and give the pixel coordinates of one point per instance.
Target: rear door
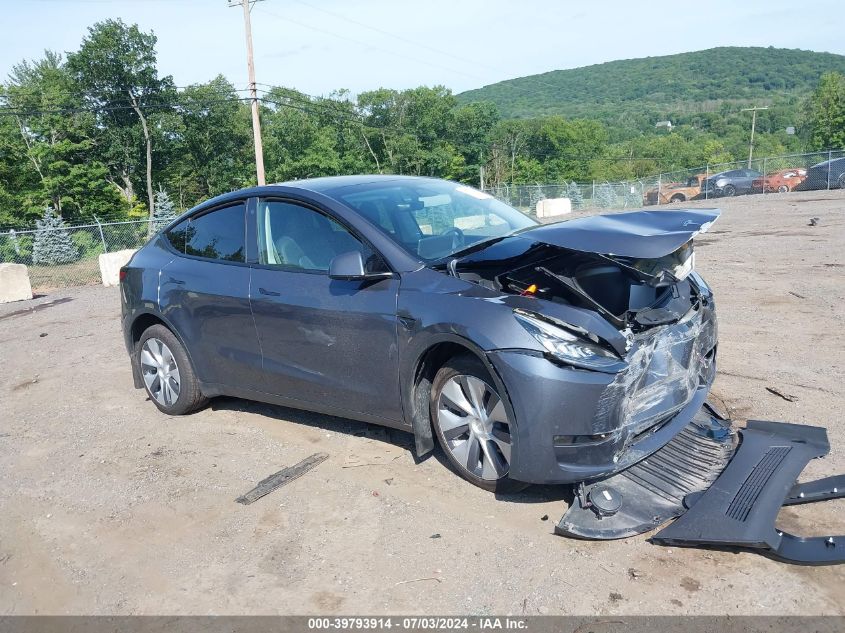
(204, 294)
(329, 343)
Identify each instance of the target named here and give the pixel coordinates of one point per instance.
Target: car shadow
(404, 439)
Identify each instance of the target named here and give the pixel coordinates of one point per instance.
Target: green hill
(638, 92)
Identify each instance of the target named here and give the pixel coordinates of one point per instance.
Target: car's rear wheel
(841, 180)
(678, 198)
(472, 424)
(783, 189)
(167, 373)
(729, 191)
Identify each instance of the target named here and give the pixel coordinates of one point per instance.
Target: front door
(325, 342)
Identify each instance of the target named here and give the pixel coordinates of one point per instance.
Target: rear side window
(219, 235)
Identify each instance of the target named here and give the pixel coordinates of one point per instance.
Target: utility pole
(753, 125)
(253, 92)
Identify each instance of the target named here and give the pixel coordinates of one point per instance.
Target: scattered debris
(814, 221)
(42, 335)
(786, 396)
(405, 582)
(284, 476)
(435, 535)
(545, 517)
(389, 481)
(635, 573)
(36, 308)
(375, 493)
(615, 597)
(795, 294)
(353, 461)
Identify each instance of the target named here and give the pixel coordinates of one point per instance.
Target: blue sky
(320, 45)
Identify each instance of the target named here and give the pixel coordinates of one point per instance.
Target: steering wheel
(458, 239)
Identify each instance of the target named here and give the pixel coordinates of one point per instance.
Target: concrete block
(14, 283)
(551, 207)
(111, 263)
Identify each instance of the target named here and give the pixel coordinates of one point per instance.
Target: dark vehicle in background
(730, 183)
(829, 174)
(553, 353)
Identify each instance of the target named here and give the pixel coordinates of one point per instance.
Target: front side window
(219, 234)
(431, 219)
(301, 239)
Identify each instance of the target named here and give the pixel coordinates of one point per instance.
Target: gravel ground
(109, 507)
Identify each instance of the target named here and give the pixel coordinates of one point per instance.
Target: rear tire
(471, 422)
(166, 371)
(841, 180)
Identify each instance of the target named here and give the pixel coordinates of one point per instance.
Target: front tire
(729, 191)
(167, 373)
(678, 198)
(783, 189)
(471, 423)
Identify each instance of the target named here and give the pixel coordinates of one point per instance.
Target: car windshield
(432, 219)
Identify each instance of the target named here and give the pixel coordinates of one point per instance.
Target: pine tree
(164, 212)
(573, 192)
(53, 244)
(535, 195)
(605, 196)
(633, 198)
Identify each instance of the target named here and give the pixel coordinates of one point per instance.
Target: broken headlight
(569, 346)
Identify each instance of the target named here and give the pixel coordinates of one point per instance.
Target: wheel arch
(432, 355)
(140, 324)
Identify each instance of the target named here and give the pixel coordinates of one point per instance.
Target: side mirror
(350, 267)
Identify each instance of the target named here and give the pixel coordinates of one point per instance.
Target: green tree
(116, 69)
(211, 153)
(54, 145)
(826, 113)
(165, 211)
(53, 243)
(573, 192)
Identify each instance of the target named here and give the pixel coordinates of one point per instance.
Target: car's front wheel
(729, 191)
(167, 373)
(472, 424)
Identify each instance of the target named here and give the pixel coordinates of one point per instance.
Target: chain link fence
(779, 174)
(67, 255)
(60, 255)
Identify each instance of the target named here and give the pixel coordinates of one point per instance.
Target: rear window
(219, 235)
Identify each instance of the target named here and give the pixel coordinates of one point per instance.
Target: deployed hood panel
(636, 234)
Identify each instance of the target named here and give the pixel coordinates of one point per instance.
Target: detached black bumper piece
(727, 496)
(652, 491)
(740, 508)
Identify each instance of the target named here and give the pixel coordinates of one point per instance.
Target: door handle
(269, 293)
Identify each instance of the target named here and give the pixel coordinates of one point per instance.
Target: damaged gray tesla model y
(558, 354)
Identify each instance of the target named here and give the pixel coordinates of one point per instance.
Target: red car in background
(779, 181)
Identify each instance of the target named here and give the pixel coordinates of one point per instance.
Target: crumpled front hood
(635, 234)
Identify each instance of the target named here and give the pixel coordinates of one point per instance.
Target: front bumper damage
(725, 486)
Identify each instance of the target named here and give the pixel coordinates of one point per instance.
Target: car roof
(313, 185)
(327, 183)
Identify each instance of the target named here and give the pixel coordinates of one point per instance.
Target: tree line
(98, 132)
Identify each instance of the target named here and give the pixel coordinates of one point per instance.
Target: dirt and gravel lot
(109, 507)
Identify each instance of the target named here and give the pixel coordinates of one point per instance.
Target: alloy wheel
(475, 425)
(160, 372)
